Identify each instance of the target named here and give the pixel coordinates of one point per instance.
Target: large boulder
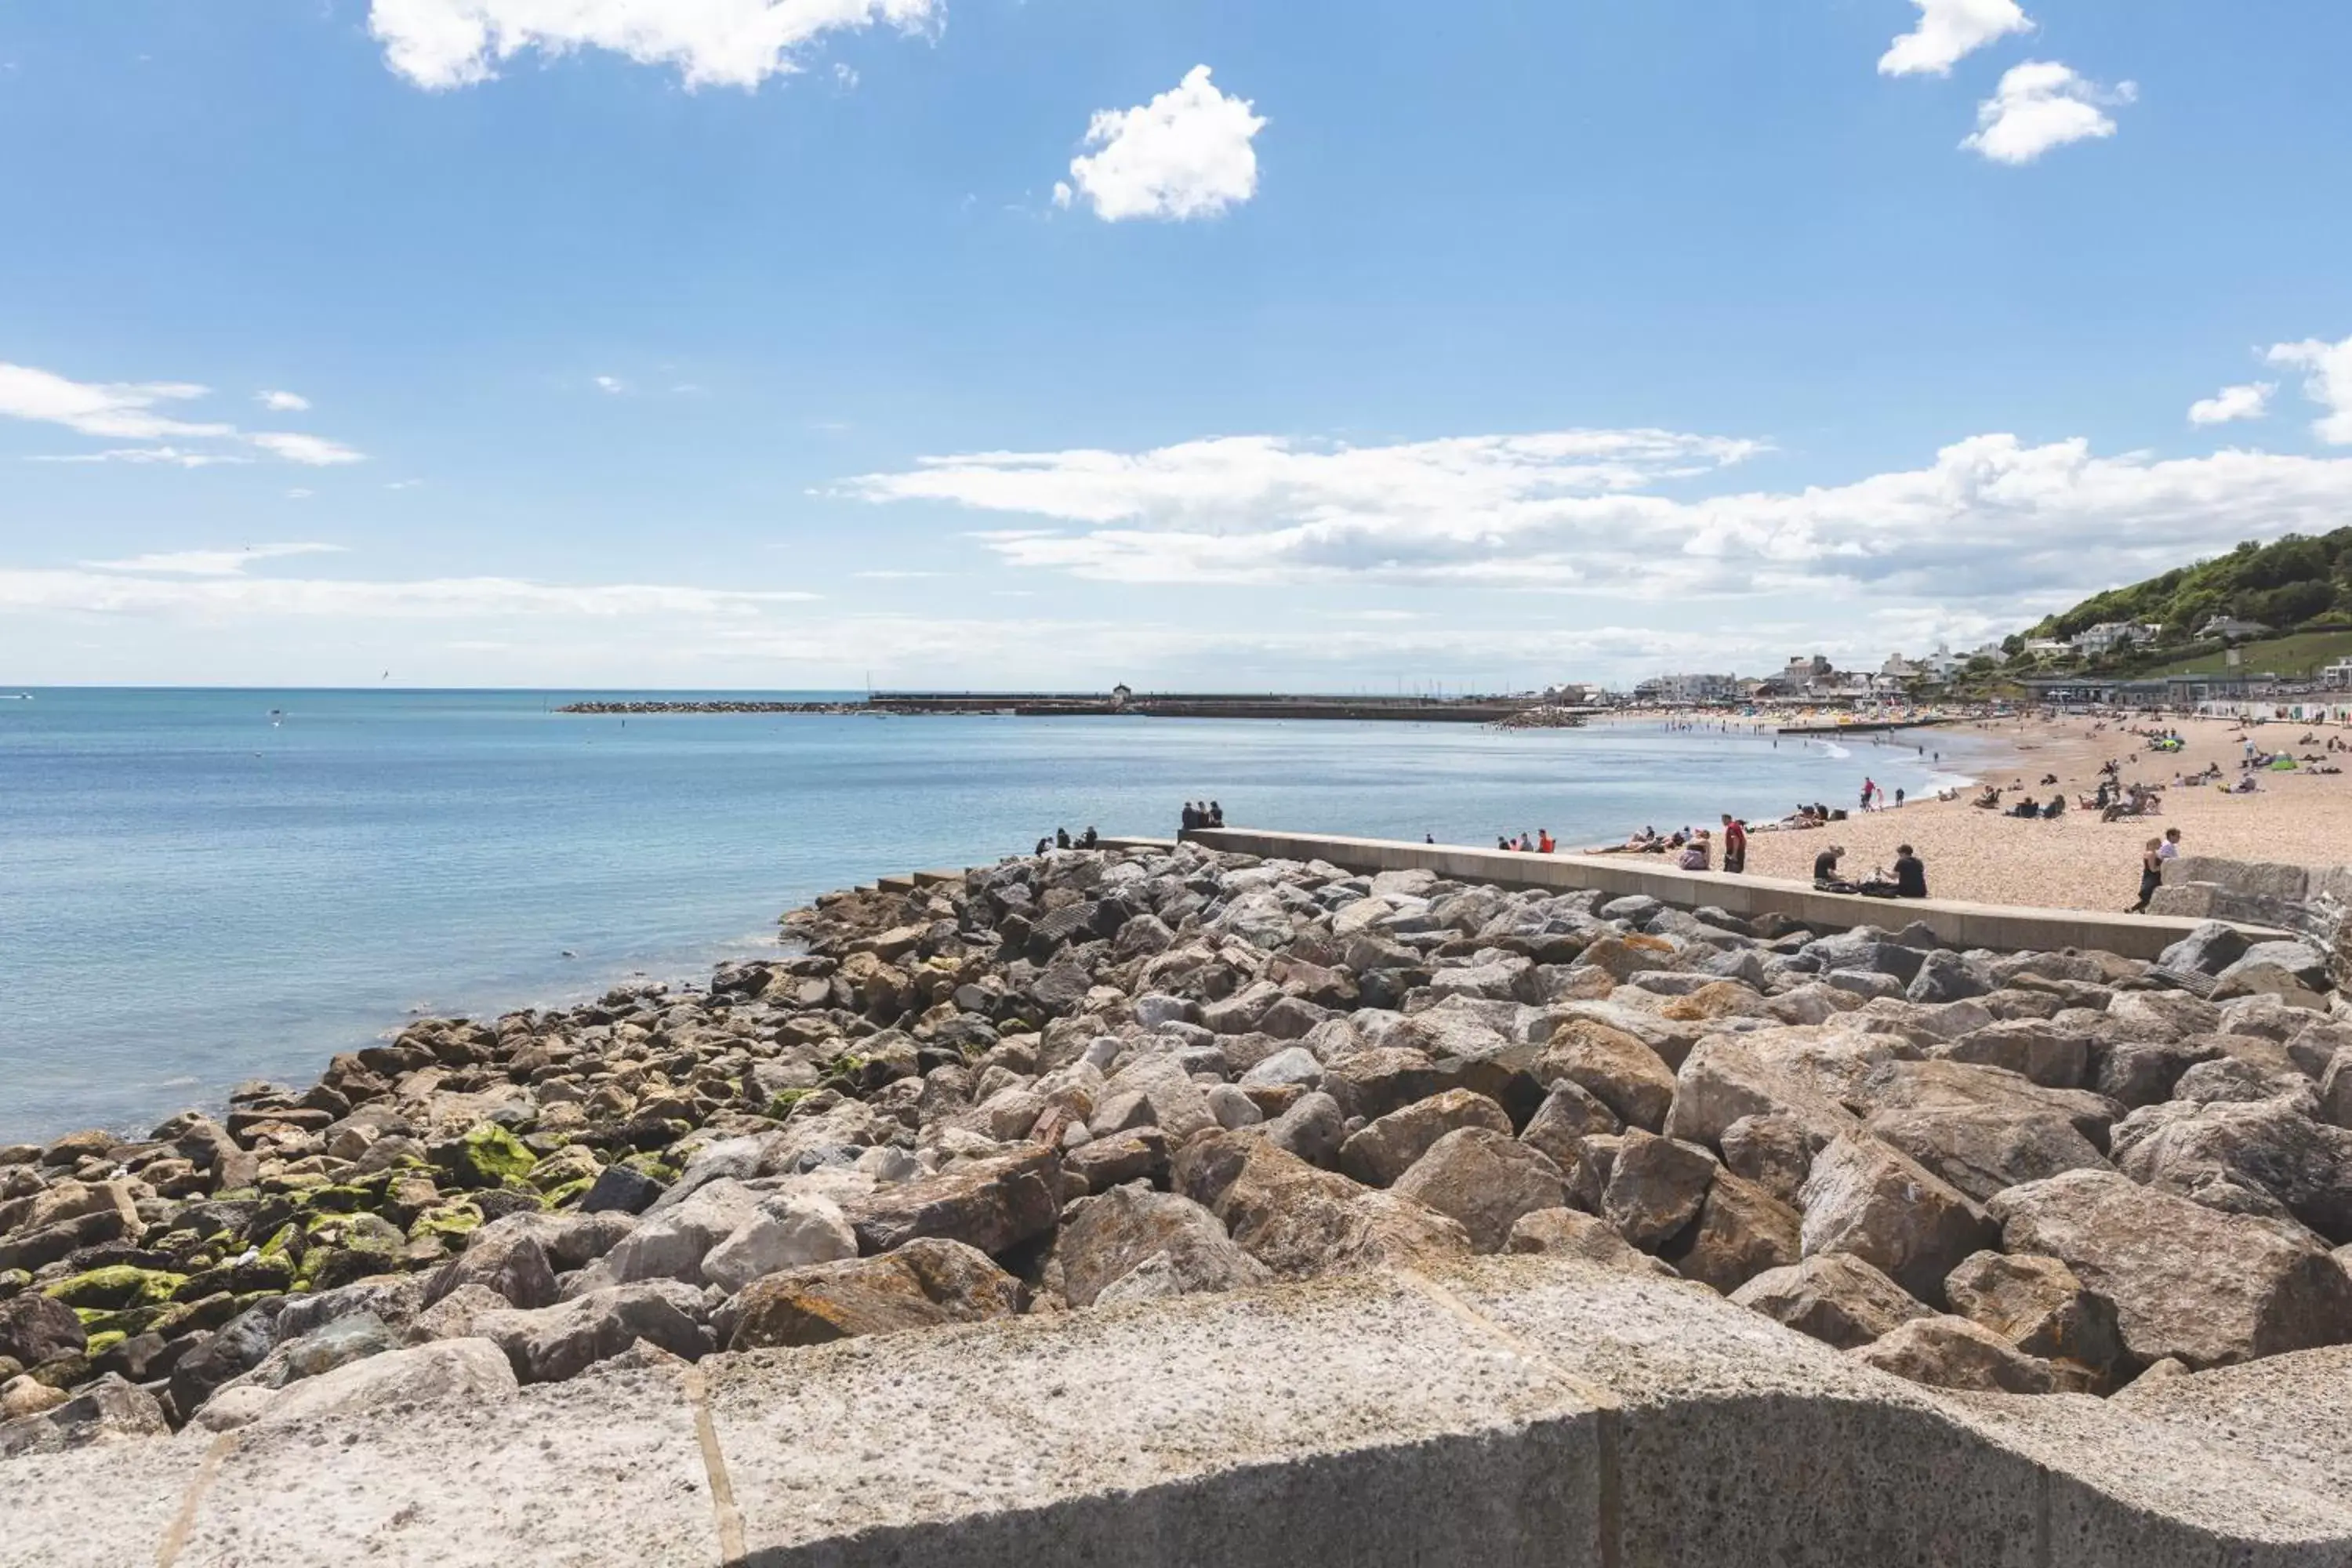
(1834, 1296)
(2262, 1157)
(2205, 1288)
(671, 1241)
(1483, 1180)
(1868, 1198)
(473, 1371)
(35, 1329)
(2136, 1072)
(1301, 1222)
(1615, 1066)
(2041, 1307)
(1569, 1233)
(991, 1204)
(1984, 1149)
(1385, 1149)
(1794, 1072)
(553, 1344)
(925, 1283)
(2211, 948)
(789, 1230)
(501, 1257)
(1953, 1353)
(1742, 1231)
(110, 1410)
(1941, 1088)
(1656, 1186)
(1134, 1244)
(2035, 1048)
(1772, 1151)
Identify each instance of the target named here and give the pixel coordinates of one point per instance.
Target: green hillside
(2302, 654)
(2284, 585)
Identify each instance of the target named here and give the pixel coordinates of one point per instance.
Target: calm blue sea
(193, 893)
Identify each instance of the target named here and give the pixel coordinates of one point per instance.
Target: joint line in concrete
(176, 1539)
(730, 1518)
(1607, 1408)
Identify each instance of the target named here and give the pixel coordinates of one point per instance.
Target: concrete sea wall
(1514, 1411)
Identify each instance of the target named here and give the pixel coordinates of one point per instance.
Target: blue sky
(993, 342)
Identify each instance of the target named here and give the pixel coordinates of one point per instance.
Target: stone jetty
(1092, 1082)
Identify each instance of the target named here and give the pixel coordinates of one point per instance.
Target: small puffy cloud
(1948, 30)
(283, 402)
(2328, 382)
(611, 386)
(310, 451)
(2042, 104)
(442, 44)
(210, 562)
(1185, 154)
(2250, 401)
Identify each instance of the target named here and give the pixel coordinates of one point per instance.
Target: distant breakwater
(1515, 711)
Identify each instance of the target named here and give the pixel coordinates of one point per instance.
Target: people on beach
(1545, 844)
(1735, 844)
(2170, 848)
(1825, 871)
(1910, 873)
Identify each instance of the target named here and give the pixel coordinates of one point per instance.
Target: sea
(199, 888)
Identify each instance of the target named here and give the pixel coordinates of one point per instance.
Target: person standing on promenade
(2151, 874)
(1735, 844)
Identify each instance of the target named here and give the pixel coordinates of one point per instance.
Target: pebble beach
(2077, 861)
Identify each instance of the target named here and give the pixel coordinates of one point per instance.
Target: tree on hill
(2292, 582)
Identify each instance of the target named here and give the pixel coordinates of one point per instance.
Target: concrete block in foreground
(1534, 1411)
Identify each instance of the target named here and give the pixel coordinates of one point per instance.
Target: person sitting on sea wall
(1192, 816)
(1061, 839)
(1910, 873)
(1545, 843)
(1696, 855)
(1825, 871)
(1089, 838)
(1216, 814)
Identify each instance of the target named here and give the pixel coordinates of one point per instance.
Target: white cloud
(312, 451)
(611, 384)
(210, 562)
(132, 411)
(300, 494)
(2040, 105)
(1185, 154)
(175, 456)
(896, 576)
(120, 411)
(2250, 401)
(1580, 511)
(2328, 383)
(442, 44)
(1948, 30)
(283, 402)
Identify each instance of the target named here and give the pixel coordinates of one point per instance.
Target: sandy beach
(2077, 861)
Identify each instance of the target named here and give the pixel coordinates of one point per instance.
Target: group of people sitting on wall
(1908, 881)
(1062, 841)
(1541, 844)
(1205, 814)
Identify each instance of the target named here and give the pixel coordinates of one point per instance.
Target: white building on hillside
(2108, 635)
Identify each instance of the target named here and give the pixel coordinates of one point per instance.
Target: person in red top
(1543, 845)
(1735, 843)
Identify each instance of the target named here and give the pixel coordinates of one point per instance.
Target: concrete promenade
(2004, 928)
(1512, 1411)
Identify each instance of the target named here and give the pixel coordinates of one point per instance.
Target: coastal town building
(2229, 628)
(2108, 637)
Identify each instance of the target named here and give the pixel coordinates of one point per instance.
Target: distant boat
(276, 717)
(16, 696)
